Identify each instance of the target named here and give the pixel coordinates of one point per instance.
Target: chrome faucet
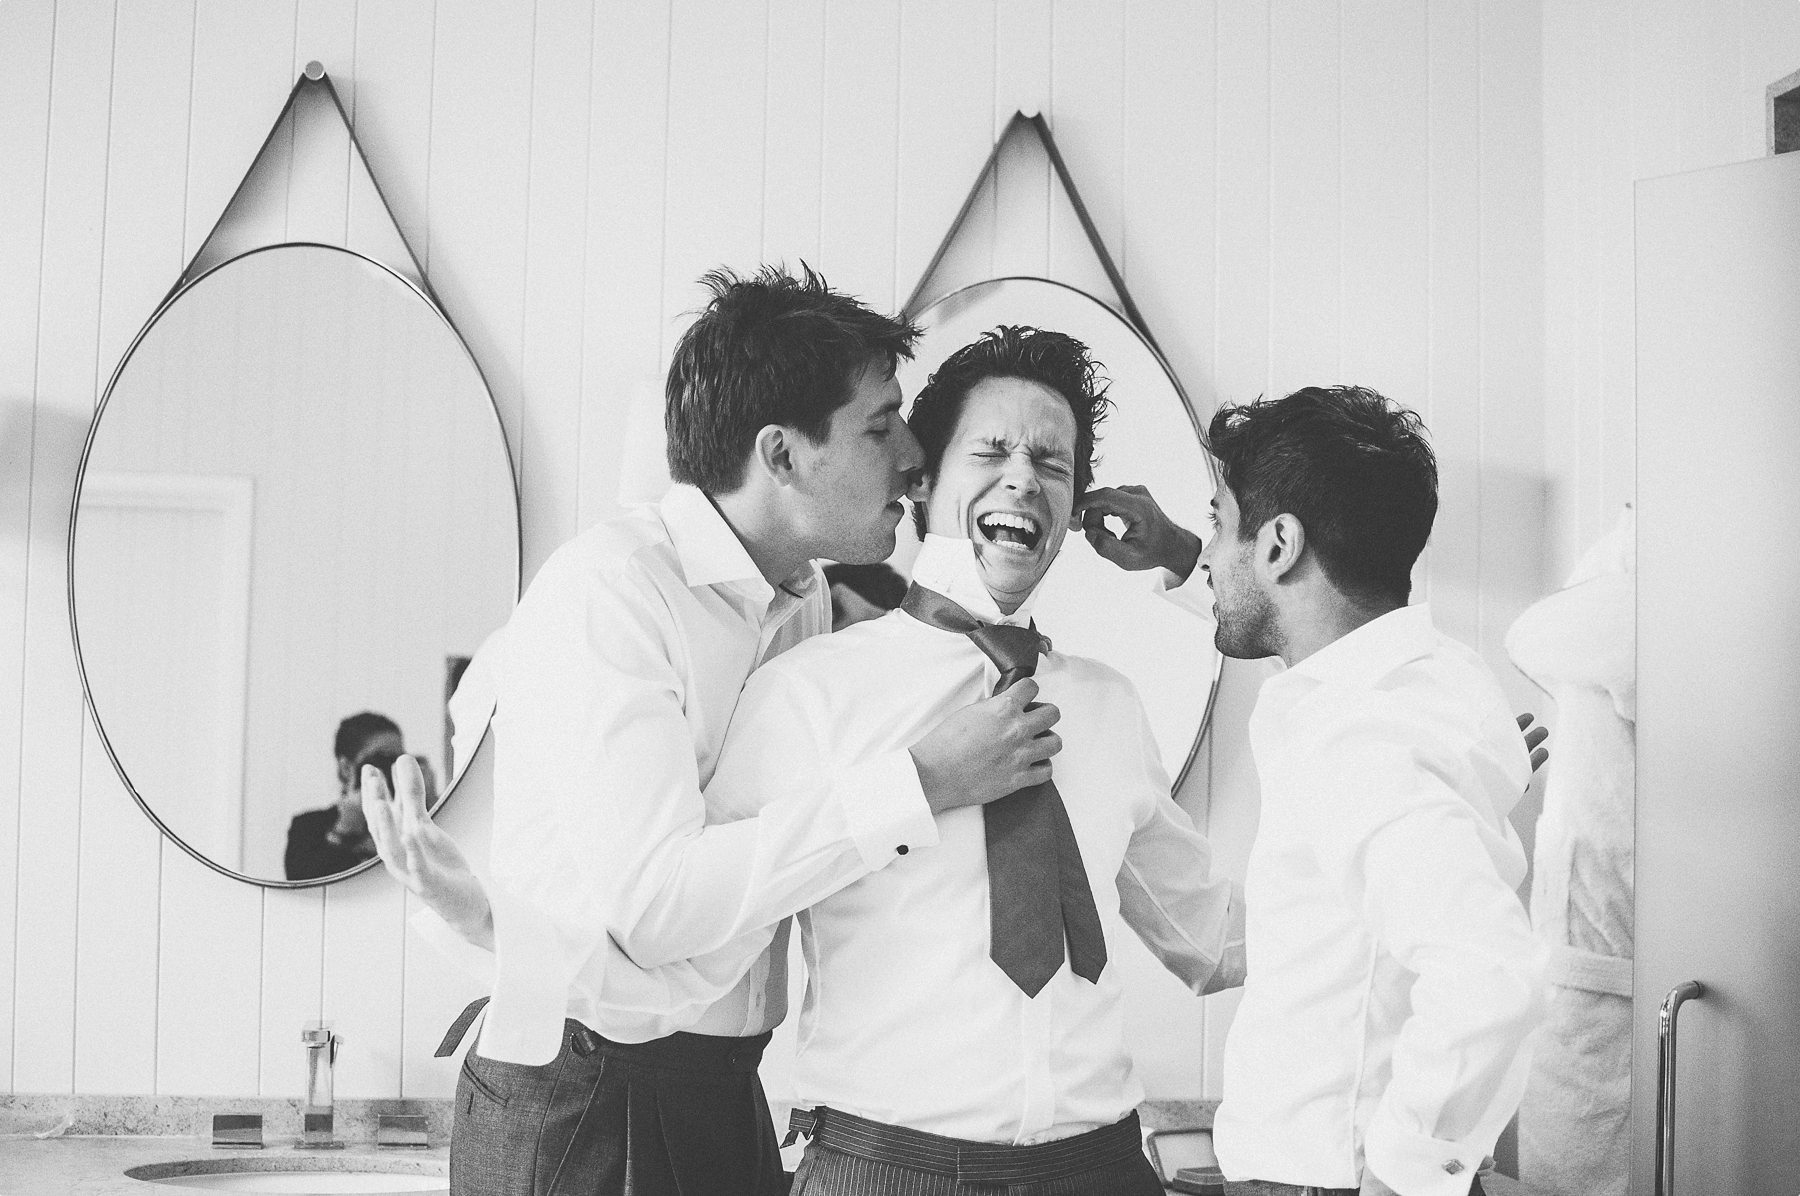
(321, 1053)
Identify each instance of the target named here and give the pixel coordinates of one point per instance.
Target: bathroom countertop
(96, 1165)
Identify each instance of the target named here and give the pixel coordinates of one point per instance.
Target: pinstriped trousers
(852, 1156)
(827, 1172)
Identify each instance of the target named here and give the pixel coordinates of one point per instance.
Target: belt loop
(803, 1123)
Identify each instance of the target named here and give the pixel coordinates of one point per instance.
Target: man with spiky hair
(1382, 1042)
(620, 1047)
(962, 1022)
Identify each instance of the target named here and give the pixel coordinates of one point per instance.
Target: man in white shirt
(927, 1059)
(1382, 1042)
(632, 992)
(925, 1062)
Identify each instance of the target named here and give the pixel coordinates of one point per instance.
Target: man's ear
(1279, 546)
(773, 453)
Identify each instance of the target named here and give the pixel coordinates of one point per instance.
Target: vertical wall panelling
(242, 71)
(118, 935)
(480, 133)
(293, 960)
(66, 380)
(555, 252)
(793, 130)
(858, 169)
(209, 981)
(713, 209)
(1087, 116)
(1023, 44)
(1241, 201)
(365, 949)
(1384, 140)
(1305, 205)
(319, 195)
(1167, 234)
(394, 72)
(946, 132)
(26, 33)
(627, 181)
(1512, 339)
(117, 942)
(1451, 560)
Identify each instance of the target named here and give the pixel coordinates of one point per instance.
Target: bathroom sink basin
(314, 1175)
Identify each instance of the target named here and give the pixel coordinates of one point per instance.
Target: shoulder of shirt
(1438, 701)
(632, 550)
(1091, 673)
(821, 657)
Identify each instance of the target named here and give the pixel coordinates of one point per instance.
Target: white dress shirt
(614, 903)
(906, 1018)
(1393, 978)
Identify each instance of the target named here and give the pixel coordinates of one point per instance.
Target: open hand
(421, 855)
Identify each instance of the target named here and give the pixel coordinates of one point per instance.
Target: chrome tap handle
(1665, 1082)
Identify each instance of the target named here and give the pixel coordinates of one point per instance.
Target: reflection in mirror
(296, 521)
(1088, 606)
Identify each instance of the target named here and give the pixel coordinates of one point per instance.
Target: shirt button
(1454, 1167)
(900, 850)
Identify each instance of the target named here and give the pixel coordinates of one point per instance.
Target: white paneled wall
(1298, 191)
(1632, 90)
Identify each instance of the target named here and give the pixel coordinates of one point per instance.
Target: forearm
(707, 888)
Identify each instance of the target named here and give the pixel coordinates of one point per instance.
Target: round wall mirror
(1151, 437)
(294, 524)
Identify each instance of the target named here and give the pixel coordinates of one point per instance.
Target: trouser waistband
(968, 1162)
(681, 1050)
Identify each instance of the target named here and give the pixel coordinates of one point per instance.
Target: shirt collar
(947, 564)
(1373, 650)
(709, 551)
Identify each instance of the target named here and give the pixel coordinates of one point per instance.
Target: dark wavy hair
(1054, 359)
(1353, 467)
(772, 348)
(355, 732)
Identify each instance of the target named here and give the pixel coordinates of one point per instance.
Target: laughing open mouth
(1014, 531)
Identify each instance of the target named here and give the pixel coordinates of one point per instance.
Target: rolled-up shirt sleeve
(1424, 868)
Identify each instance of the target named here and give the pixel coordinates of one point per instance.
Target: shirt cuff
(475, 962)
(1414, 1164)
(1191, 594)
(533, 967)
(886, 809)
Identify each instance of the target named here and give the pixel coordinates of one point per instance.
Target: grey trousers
(852, 1156)
(680, 1116)
(1263, 1187)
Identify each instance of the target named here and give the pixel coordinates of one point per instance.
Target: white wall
(1633, 89)
(1298, 192)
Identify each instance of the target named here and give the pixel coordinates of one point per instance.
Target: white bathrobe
(1580, 645)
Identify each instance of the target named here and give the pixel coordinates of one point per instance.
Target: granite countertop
(96, 1166)
(84, 1144)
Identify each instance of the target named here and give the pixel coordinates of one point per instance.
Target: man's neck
(1324, 624)
(765, 537)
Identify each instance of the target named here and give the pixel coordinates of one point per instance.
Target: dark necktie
(1038, 893)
